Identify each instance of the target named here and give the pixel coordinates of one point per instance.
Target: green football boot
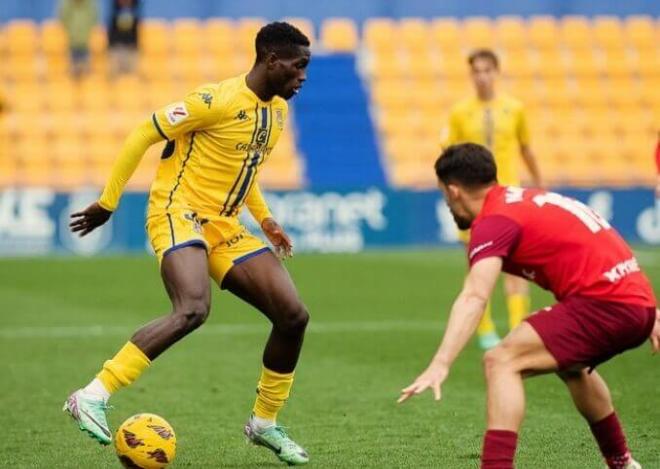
(89, 412)
(275, 439)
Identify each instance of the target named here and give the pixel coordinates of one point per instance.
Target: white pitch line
(76, 332)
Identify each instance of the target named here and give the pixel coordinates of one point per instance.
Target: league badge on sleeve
(176, 113)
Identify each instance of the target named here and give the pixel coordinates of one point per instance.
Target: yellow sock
(518, 305)
(486, 326)
(272, 392)
(123, 368)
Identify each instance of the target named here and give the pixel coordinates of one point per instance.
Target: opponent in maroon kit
(605, 303)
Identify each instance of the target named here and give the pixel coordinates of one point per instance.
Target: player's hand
(432, 378)
(278, 238)
(655, 333)
(88, 220)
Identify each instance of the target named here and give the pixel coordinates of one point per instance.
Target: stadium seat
(54, 40)
(339, 35)
(414, 35)
(445, 35)
(155, 37)
(477, 31)
(218, 37)
(304, 25)
(608, 32)
(188, 38)
(22, 38)
(640, 32)
(575, 32)
(378, 34)
(246, 30)
(543, 32)
(511, 33)
(98, 41)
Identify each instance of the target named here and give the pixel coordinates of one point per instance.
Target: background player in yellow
(498, 122)
(217, 139)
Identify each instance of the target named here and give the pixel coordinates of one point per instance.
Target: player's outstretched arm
(135, 146)
(465, 315)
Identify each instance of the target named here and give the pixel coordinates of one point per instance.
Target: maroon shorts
(585, 331)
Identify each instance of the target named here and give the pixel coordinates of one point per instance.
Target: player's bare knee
(294, 319)
(192, 313)
(497, 359)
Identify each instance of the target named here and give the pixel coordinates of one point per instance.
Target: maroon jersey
(558, 243)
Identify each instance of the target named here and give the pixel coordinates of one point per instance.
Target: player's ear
(453, 191)
(271, 60)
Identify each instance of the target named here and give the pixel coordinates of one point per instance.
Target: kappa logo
(242, 116)
(207, 98)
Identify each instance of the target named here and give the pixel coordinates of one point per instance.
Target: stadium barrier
(34, 221)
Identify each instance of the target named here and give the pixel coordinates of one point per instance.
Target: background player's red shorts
(586, 331)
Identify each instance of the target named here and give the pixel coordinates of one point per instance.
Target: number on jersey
(589, 217)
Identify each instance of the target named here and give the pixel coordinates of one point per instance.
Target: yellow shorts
(226, 241)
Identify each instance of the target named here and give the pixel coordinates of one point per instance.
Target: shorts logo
(529, 274)
(176, 113)
(192, 217)
(235, 240)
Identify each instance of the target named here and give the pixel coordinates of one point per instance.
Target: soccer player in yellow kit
(496, 121)
(217, 139)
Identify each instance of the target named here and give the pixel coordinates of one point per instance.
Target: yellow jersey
(218, 138)
(499, 124)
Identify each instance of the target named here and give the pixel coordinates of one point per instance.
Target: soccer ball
(145, 441)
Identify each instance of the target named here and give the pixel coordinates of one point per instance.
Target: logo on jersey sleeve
(480, 248)
(207, 98)
(176, 113)
(279, 118)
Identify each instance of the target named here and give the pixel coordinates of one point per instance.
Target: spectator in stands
(78, 18)
(123, 35)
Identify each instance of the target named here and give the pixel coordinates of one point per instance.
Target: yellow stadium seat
(188, 38)
(127, 94)
(304, 25)
(22, 37)
(378, 34)
(98, 40)
(27, 98)
(592, 93)
(511, 33)
(155, 67)
(584, 64)
(648, 65)
(445, 35)
(651, 95)
(619, 63)
(155, 37)
(54, 40)
(423, 65)
(640, 32)
(518, 64)
(219, 37)
(477, 32)
(608, 32)
(388, 64)
(246, 30)
(187, 68)
(57, 67)
(624, 93)
(575, 32)
(543, 32)
(22, 68)
(551, 63)
(339, 35)
(95, 95)
(414, 35)
(60, 95)
(453, 65)
(390, 93)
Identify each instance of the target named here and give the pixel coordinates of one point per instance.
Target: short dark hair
(468, 164)
(484, 54)
(276, 37)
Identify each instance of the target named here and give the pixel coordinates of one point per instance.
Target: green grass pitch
(376, 319)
